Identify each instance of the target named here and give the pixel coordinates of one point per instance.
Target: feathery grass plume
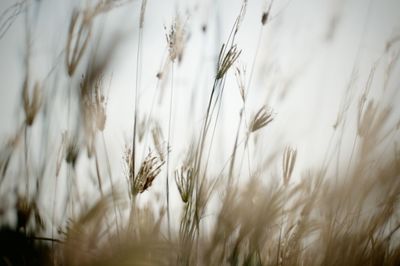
(288, 162)
(148, 171)
(176, 39)
(184, 182)
(80, 25)
(31, 105)
(92, 102)
(94, 105)
(80, 31)
(261, 119)
(225, 61)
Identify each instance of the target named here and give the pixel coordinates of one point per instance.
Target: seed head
(31, 105)
(225, 61)
(288, 162)
(184, 182)
(148, 171)
(176, 38)
(262, 118)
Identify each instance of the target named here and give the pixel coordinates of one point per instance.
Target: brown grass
(337, 213)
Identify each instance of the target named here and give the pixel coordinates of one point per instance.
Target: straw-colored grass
(336, 213)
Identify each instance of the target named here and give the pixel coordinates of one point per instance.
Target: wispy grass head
(261, 119)
(148, 171)
(225, 61)
(288, 162)
(176, 39)
(184, 181)
(31, 103)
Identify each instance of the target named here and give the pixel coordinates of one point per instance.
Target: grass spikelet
(225, 61)
(80, 31)
(148, 171)
(31, 105)
(81, 26)
(288, 162)
(176, 38)
(94, 105)
(261, 119)
(184, 182)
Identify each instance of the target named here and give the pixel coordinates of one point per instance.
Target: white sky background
(294, 52)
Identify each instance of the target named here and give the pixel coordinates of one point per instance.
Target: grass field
(196, 164)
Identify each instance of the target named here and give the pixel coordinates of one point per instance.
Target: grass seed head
(261, 119)
(81, 26)
(176, 39)
(288, 162)
(148, 171)
(225, 61)
(184, 182)
(31, 104)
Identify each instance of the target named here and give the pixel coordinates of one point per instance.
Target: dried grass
(321, 217)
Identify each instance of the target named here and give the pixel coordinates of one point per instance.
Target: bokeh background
(300, 63)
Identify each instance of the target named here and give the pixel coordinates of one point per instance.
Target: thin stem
(168, 145)
(96, 157)
(26, 159)
(111, 181)
(137, 88)
(232, 163)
